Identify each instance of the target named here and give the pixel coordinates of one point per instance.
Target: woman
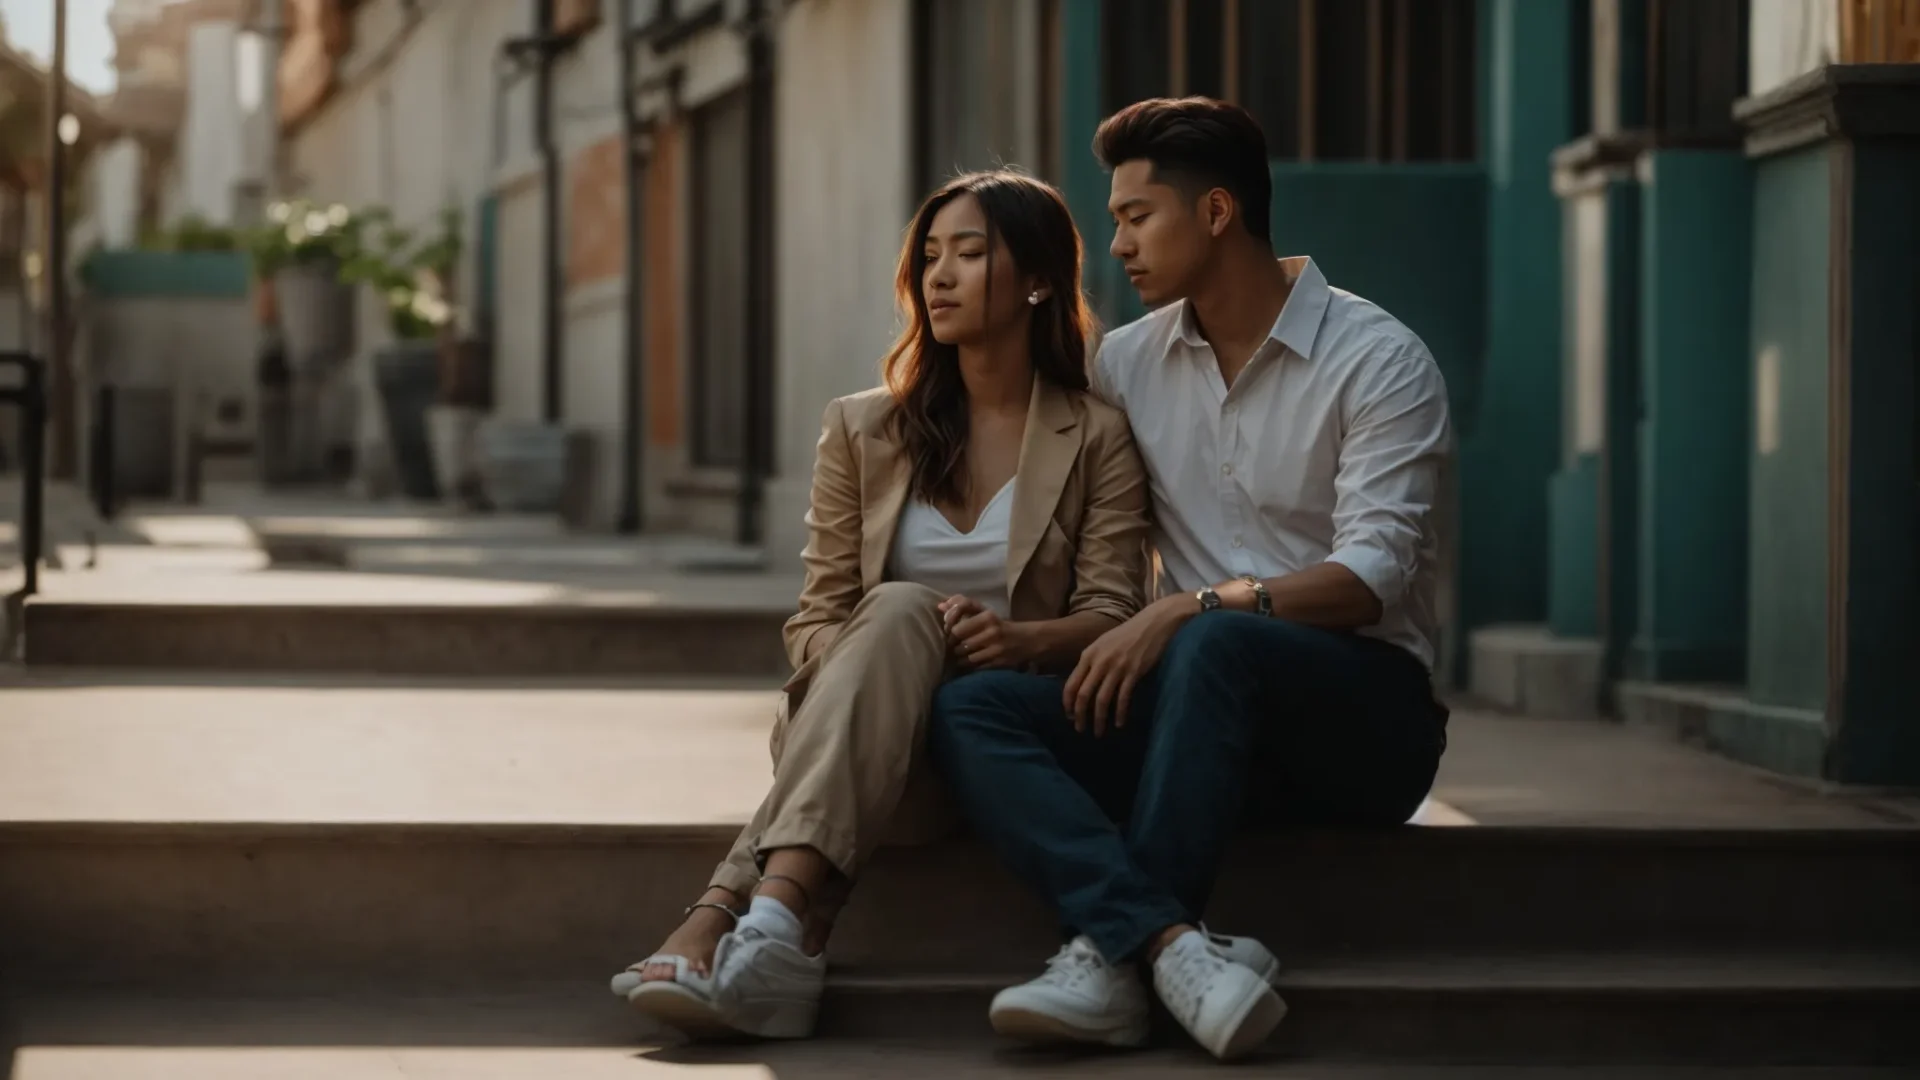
(977, 511)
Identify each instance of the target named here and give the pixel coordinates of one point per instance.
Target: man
(1295, 437)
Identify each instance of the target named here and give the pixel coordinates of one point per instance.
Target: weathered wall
(1786, 651)
(843, 115)
(1788, 38)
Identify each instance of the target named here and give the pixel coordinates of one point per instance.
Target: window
(719, 282)
(1365, 80)
(1697, 67)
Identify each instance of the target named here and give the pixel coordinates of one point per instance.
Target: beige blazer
(1077, 540)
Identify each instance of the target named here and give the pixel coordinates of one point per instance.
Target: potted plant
(300, 253)
(414, 276)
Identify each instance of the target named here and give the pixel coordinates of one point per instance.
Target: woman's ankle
(791, 894)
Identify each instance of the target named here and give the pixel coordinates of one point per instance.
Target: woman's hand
(981, 639)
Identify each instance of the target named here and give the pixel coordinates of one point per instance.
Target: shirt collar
(1299, 323)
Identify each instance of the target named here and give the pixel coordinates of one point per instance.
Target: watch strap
(1262, 599)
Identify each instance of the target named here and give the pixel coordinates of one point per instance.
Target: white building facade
(426, 110)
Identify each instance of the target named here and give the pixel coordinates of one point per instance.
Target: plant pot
(524, 465)
(466, 373)
(452, 430)
(407, 374)
(316, 313)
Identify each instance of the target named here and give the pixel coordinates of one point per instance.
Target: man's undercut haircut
(1195, 144)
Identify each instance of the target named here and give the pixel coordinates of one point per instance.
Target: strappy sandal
(684, 1002)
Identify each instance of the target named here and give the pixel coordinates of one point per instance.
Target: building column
(1510, 444)
(1697, 217)
(1834, 522)
(1591, 504)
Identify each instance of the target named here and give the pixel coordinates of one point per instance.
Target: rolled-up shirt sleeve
(1394, 450)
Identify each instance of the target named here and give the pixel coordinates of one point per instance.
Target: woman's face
(955, 268)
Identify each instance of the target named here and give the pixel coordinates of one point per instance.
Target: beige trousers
(848, 770)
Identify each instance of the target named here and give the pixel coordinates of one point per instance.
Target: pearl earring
(1034, 298)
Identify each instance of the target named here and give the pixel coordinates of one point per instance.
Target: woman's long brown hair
(930, 415)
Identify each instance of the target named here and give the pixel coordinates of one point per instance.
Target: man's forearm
(1329, 596)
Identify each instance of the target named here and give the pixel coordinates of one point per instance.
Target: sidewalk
(245, 546)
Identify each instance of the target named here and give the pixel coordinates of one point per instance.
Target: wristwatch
(1209, 600)
(1262, 599)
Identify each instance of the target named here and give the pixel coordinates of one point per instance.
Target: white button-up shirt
(1330, 447)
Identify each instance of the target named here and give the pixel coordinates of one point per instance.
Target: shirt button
(1226, 470)
(1236, 541)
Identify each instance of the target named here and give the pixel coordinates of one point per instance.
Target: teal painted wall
(1696, 248)
(1787, 590)
(1410, 238)
(1510, 443)
(1081, 180)
(166, 273)
(1878, 741)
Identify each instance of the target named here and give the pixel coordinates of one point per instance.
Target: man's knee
(1220, 641)
(984, 700)
(1228, 640)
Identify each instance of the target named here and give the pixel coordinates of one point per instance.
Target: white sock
(774, 919)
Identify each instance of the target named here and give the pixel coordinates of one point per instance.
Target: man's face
(1158, 234)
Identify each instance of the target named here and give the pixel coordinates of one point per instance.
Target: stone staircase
(294, 585)
(224, 873)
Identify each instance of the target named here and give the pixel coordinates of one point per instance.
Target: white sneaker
(766, 987)
(1247, 952)
(1081, 998)
(1227, 1007)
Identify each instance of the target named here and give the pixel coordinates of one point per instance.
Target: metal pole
(553, 286)
(31, 401)
(754, 460)
(33, 429)
(633, 418)
(54, 267)
(106, 499)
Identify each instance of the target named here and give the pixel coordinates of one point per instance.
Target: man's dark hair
(1196, 144)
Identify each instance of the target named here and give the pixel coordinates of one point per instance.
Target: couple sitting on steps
(974, 633)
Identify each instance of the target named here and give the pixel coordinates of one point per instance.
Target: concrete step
(448, 639)
(437, 905)
(1528, 669)
(163, 830)
(1578, 1008)
(1792, 742)
(561, 1034)
(179, 839)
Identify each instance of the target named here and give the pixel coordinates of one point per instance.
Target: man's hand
(1102, 682)
(981, 639)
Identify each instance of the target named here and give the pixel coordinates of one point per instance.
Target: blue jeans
(1124, 833)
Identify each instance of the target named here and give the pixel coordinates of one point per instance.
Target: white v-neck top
(928, 550)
